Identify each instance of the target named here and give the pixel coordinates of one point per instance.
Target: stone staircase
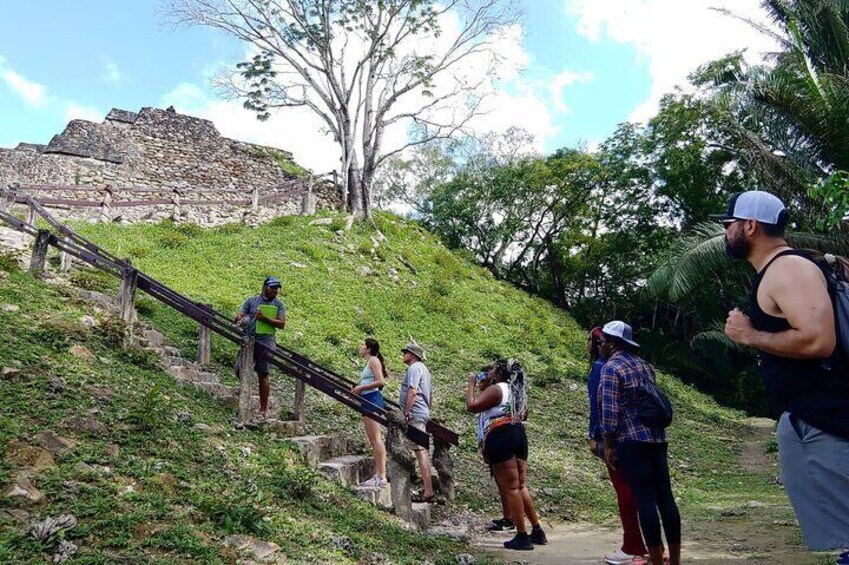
(330, 456)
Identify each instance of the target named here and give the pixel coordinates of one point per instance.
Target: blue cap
(272, 282)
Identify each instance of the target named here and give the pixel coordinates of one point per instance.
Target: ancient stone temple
(166, 150)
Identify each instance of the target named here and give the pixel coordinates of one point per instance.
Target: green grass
(172, 494)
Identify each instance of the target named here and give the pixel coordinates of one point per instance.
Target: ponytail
(374, 348)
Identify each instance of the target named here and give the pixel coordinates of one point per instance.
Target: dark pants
(632, 541)
(647, 471)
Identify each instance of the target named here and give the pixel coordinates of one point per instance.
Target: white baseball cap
(755, 205)
(621, 330)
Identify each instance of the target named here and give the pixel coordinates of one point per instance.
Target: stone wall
(162, 149)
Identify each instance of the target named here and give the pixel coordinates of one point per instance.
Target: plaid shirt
(617, 399)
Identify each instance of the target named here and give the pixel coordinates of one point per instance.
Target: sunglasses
(729, 221)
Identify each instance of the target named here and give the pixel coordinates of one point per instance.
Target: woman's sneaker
(375, 481)
(501, 525)
(538, 536)
(619, 557)
(521, 542)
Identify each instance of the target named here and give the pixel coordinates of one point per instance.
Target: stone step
(153, 337)
(379, 496)
(320, 448)
(421, 515)
(206, 377)
(347, 470)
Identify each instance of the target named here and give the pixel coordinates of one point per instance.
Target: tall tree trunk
(557, 283)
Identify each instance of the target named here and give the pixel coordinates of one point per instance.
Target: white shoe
(618, 557)
(375, 481)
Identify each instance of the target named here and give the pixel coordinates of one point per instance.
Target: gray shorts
(419, 425)
(815, 473)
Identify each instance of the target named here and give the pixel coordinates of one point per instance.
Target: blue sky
(62, 59)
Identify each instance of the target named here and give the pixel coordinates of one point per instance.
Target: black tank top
(815, 390)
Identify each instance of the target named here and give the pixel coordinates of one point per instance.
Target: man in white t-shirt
(415, 403)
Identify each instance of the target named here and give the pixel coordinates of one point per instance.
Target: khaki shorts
(419, 425)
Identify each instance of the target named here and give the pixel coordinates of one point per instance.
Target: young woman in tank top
(502, 408)
(372, 380)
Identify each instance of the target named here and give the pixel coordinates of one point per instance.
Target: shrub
(236, 514)
(9, 261)
(173, 240)
(91, 279)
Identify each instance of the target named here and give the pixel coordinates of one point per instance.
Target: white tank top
(487, 417)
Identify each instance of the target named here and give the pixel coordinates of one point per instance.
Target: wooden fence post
(246, 377)
(255, 198)
(300, 395)
(127, 295)
(204, 344)
(444, 468)
(176, 210)
(106, 204)
(308, 202)
(31, 214)
(65, 260)
(39, 253)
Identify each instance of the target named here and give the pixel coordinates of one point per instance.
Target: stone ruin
(162, 149)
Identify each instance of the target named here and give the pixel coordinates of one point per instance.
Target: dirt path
(747, 531)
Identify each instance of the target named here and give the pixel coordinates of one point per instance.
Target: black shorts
(505, 443)
(262, 355)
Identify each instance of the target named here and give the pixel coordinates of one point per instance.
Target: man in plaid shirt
(638, 449)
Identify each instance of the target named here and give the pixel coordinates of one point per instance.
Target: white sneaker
(618, 557)
(375, 481)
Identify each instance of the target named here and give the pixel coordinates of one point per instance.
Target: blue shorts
(375, 397)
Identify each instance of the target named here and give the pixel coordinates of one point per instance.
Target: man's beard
(738, 248)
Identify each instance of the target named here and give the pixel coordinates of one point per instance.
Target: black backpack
(653, 407)
(836, 270)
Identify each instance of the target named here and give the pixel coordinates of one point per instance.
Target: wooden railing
(108, 197)
(289, 362)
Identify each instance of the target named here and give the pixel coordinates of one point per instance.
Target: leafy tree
(362, 66)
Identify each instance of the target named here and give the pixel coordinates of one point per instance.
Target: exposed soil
(753, 532)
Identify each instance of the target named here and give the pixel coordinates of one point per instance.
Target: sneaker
(619, 557)
(538, 536)
(375, 481)
(501, 525)
(521, 542)
(639, 560)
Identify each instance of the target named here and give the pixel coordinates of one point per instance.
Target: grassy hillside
(146, 486)
(342, 286)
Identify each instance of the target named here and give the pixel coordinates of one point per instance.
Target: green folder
(263, 327)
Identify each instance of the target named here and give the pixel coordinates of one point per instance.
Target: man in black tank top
(790, 320)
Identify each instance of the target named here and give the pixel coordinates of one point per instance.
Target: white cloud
(673, 36)
(33, 93)
(74, 111)
(560, 82)
(111, 75)
(513, 100)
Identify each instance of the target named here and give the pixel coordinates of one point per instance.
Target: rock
(465, 559)
(9, 373)
(321, 222)
(83, 468)
(64, 551)
(456, 533)
(100, 392)
(10, 307)
(88, 321)
(364, 271)
(82, 424)
(82, 352)
(55, 444)
(24, 455)
(204, 428)
(45, 529)
(18, 514)
(56, 385)
(573, 387)
(257, 549)
(113, 450)
(755, 504)
(343, 544)
(23, 490)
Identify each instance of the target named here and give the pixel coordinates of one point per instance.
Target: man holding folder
(261, 317)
